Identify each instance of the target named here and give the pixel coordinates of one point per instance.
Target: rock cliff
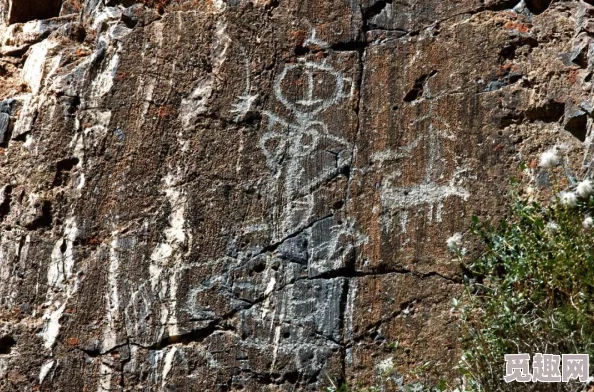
(256, 195)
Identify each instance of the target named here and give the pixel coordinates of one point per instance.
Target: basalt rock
(256, 195)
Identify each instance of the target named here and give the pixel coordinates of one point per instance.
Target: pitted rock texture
(256, 195)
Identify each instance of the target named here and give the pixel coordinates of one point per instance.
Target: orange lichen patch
(166, 111)
(159, 5)
(512, 21)
(504, 69)
(72, 341)
(563, 182)
(298, 37)
(520, 27)
(80, 52)
(572, 76)
(507, 68)
(77, 5)
(93, 241)
(10, 79)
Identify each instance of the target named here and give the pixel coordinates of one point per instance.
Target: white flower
(386, 366)
(549, 159)
(454, 242)
(568, 199)
(585, 189)
(588, 222)
(530, 191)
(552, 227)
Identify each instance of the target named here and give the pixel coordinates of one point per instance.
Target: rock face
(256, 195)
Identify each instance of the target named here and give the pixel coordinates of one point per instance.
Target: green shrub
(531, 289)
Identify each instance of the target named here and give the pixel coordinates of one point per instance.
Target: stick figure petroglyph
(304, 150)
(301, 152)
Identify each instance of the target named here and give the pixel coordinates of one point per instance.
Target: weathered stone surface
(257, 194)
(4, 122)
(20, 11)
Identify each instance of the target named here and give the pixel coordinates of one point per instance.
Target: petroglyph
(424, 194)
(198, 102)
(434, 189)
(262, 261)
(332, 245)
(243, 106)
(313, 40)
(197, 312)
(302, 154)
(314, 99)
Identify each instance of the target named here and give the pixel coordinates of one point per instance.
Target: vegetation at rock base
(531, 289)
(528, 288)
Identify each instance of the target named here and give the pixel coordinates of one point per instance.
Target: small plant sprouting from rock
(388, 379)
(531, 288)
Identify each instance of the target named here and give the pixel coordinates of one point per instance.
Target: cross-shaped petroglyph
(301, 152)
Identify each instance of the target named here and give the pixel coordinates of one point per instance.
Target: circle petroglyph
(314, 79)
